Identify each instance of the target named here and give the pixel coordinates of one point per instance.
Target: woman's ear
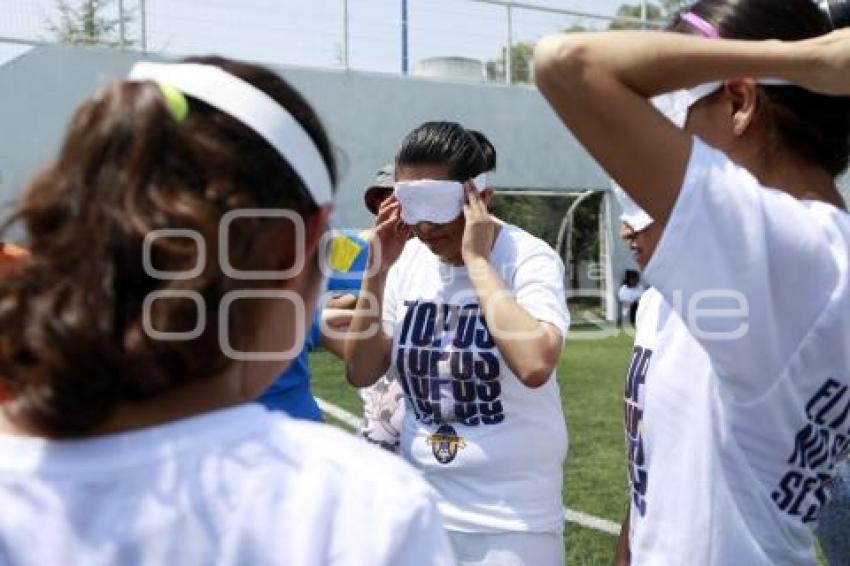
(315, 225)
(744, 96)
(487, 196)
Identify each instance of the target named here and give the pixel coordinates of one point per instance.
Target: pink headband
(701, 25)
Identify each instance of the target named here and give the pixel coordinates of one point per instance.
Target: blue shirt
(348, 258)
(291, 392)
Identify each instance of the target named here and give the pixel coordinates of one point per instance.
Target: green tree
(522, 55)
(670, 7)
(89, 23)
(542, 216)
(655, 12)
(521, 64)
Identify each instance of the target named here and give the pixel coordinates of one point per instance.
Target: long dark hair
(814, 127)
(73, 344)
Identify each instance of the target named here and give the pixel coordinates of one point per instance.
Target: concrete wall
(367, 116)
(39, 92)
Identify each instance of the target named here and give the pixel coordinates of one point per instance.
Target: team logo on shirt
(445, 443)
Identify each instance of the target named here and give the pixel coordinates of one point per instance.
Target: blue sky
(310, 32)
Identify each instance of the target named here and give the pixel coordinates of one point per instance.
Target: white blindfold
(438, 202)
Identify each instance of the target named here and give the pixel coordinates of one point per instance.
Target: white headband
(252, 107)
(633, 215)
(675, 105)
(439, 202)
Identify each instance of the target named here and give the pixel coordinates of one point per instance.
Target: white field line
(339, 414)
(583, 519)
(591, 522)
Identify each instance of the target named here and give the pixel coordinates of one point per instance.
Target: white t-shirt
(630, 295)
(492, 447)
(738, 402)
(236, 486)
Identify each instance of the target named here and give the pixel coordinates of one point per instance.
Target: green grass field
(591, 377)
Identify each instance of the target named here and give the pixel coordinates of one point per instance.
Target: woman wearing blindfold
(738, 398)
(470, 316)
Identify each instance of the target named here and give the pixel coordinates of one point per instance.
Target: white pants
(508, 549)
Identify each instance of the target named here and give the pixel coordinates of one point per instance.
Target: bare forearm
(650, 63)
(334, 343)
(367, 348)
(335, 323)
(598, 83)
(623, 556)
(530, 348)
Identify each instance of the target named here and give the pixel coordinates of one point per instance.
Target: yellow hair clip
(176, 102)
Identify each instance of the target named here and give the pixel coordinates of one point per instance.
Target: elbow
(359, 376)
(559, 58)
(538, 371)
(535, 377)
(355, 376)
(364, 364)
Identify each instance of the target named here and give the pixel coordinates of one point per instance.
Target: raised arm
(367, 346)
(528, 326)
(622, 552)
(599, 85)
(334, 326)
(734, 255)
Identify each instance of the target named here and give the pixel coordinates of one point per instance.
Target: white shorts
(508, 549)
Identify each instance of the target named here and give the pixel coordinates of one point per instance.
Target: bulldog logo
(445, 443)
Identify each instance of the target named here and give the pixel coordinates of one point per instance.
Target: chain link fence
(476, 40)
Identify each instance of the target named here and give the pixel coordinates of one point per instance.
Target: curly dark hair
(72, 345)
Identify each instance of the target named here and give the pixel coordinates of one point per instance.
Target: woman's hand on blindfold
(480, 230)
(390, 235)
